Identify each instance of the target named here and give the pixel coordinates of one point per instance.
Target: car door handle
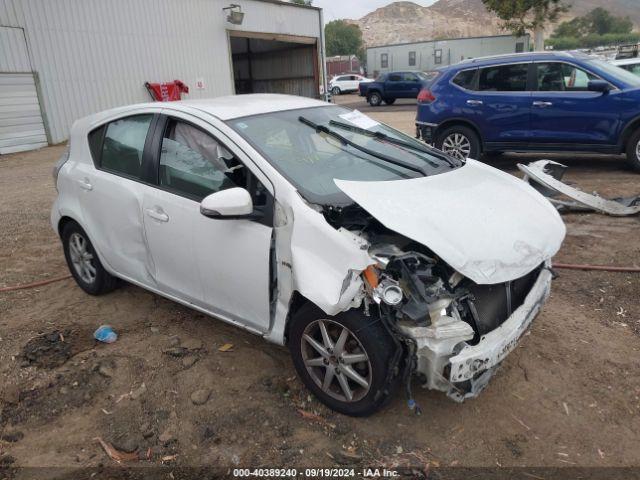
(474, 102)
(542, 104)
(157, 214)
(85, 184)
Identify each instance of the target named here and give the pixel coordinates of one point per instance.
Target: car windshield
(311, 158)
(617, 72)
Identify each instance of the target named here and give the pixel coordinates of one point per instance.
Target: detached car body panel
(316, 227)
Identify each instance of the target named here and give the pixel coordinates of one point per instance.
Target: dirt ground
(569, 395)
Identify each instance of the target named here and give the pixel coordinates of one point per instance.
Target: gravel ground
(569, 395)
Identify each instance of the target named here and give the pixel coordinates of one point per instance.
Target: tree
(597, 22)
(343, 38)
(522, 15)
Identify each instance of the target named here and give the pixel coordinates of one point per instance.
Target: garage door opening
(275, 65)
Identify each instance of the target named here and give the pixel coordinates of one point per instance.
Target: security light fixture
(236, 15)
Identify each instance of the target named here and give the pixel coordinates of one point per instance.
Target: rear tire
(325, 374)
(374, 99)
(633, 151)
(83, 261)
(460, 142)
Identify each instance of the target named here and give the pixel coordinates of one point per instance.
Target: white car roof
(236, 106)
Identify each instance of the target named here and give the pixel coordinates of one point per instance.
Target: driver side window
(194, 164)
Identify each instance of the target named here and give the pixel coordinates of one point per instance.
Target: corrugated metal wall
(91, 55)
(452, 51)
(13, 54)
(21, 126)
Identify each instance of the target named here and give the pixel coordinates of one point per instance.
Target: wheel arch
(64, 221)
(295, 304)
(627, 132)
(463, 122)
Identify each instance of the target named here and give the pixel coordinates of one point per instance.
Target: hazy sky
(334, 9)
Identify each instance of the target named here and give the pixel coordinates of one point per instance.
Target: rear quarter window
(465, 79)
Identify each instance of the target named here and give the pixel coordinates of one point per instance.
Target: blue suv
(542, 102)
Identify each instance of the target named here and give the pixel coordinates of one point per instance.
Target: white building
(64, 59)
(431, 54)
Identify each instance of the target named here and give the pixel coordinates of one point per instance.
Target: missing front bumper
(461, 370)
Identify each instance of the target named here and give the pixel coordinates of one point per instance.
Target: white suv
(372, 256)
(347, 83)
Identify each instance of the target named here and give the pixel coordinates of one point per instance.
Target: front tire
(633, 151)
(459, 142)
(336, 91)
(344, 360)
(83, 261)
(375, 99)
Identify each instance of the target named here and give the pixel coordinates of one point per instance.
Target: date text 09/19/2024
(315, 473)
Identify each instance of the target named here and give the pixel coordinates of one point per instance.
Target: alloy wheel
(335, 91)
(81, 258)
(638, 150)
(336, 360)
(457, 145)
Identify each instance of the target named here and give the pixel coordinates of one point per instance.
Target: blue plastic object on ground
(105, 334)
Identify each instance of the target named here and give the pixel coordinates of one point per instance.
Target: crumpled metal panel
(547, 174)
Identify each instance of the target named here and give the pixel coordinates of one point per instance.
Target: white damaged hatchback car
(375, 258)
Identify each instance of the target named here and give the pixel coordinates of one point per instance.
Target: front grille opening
(495, 303)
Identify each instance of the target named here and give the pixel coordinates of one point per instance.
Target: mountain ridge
(406, 21)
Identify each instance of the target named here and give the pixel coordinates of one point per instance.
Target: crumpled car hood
(486, 224)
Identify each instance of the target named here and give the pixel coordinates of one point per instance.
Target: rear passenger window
(123, 145)
(465, 79)
(504, 78)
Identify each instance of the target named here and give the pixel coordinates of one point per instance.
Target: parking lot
(569, 395)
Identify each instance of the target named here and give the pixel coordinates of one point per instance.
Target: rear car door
(394, 86)
(501, 104)
(111, 194)
(220, 265)
(565, 113)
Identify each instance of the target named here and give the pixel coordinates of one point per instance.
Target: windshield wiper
(401, 143)
(345, 141)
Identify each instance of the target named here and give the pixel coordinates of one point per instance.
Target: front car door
(501, 103)
(565, 113)
(222, 266)
(412, 86)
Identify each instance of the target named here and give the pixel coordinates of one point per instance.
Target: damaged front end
(455, 332)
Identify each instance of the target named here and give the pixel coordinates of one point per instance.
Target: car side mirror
(234, 203)
(601, 86)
